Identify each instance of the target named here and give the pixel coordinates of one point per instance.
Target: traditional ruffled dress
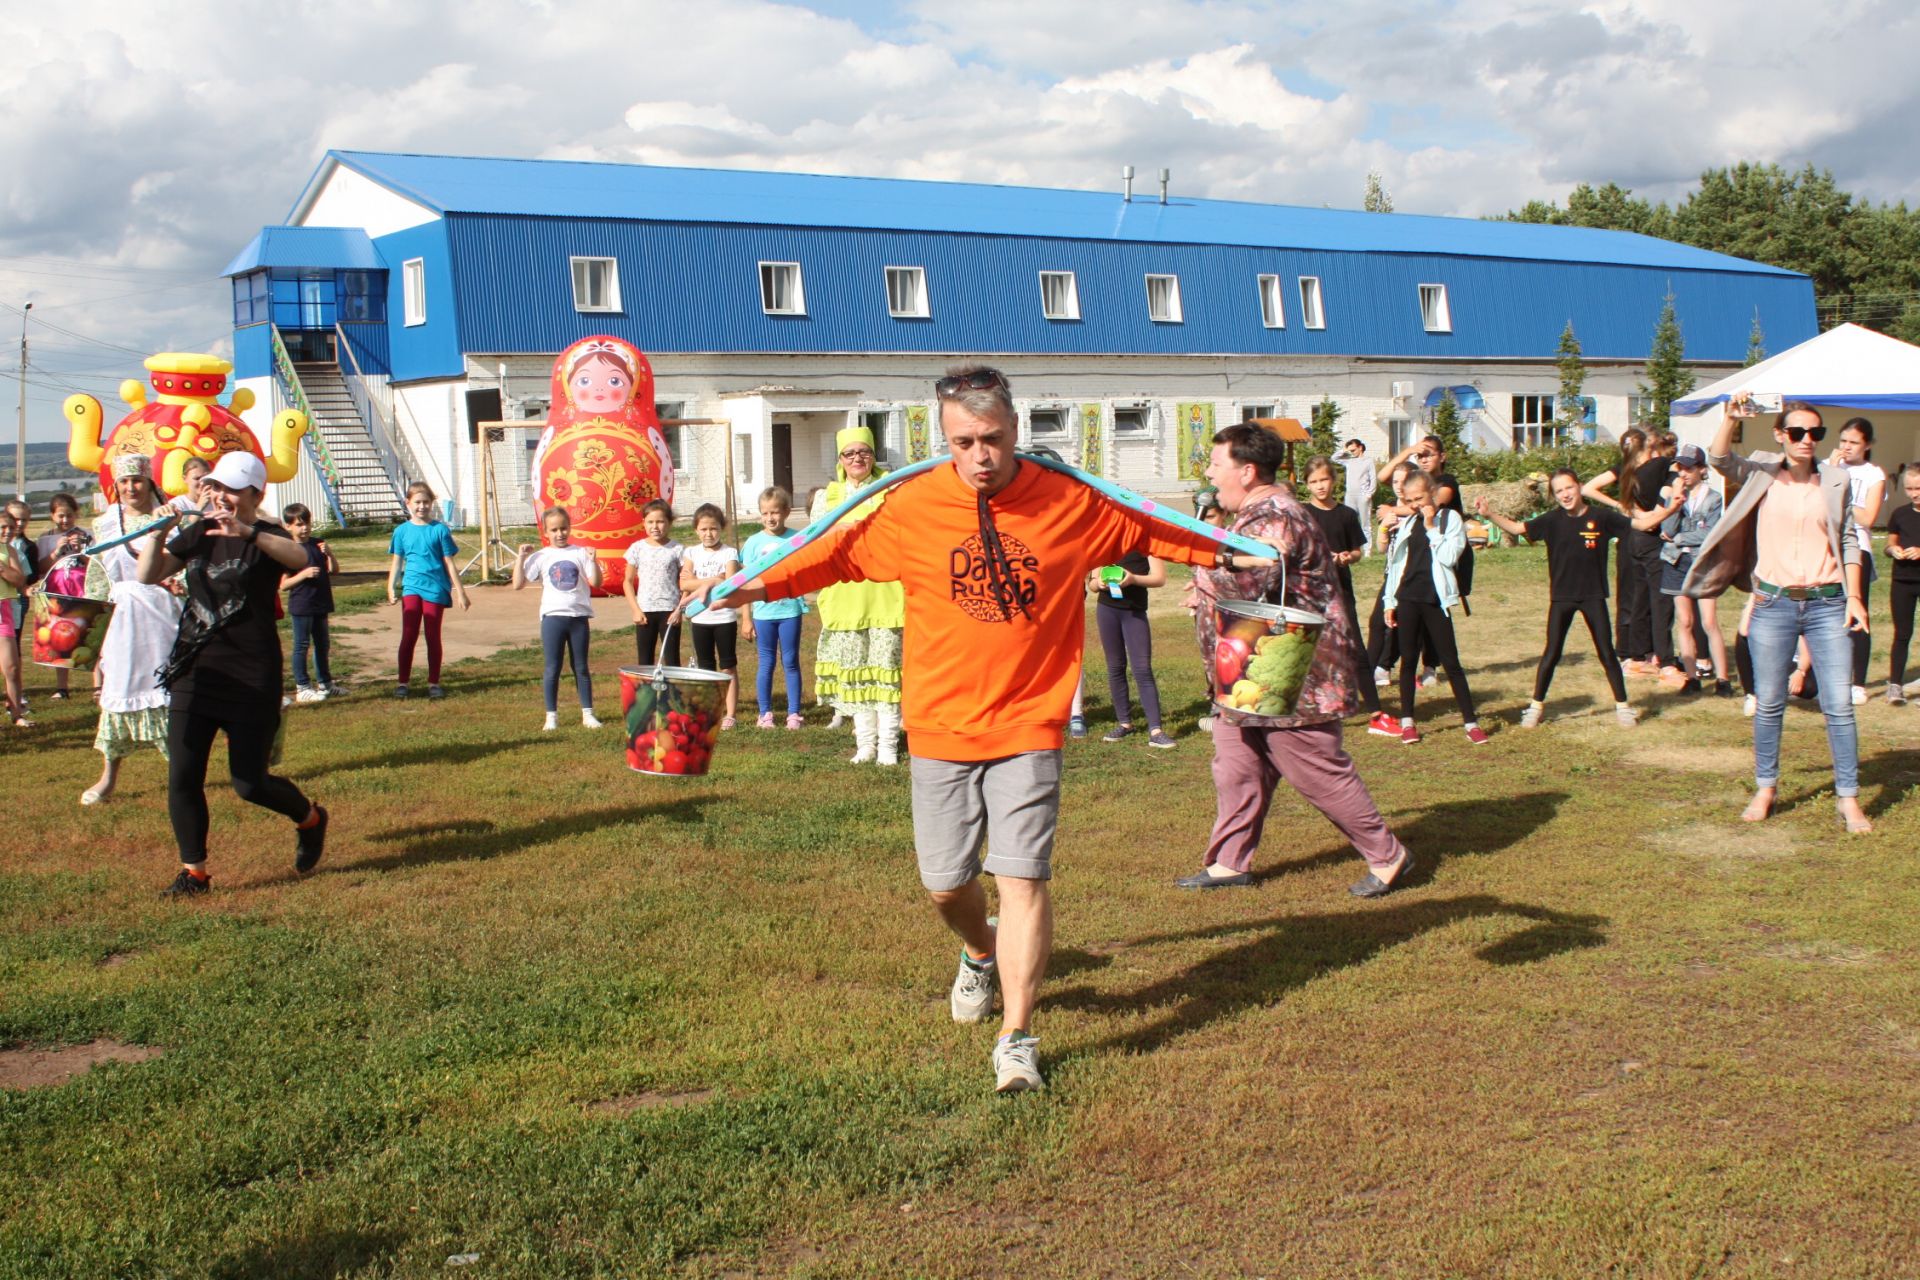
(857, 665)
(133, 706)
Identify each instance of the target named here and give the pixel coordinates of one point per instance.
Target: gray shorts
(1012, 805)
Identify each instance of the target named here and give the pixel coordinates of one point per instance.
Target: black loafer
(1207, 880)
(1374, 887)
(311, 842)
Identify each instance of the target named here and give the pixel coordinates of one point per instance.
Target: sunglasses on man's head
(953, 385)
(1797, 434)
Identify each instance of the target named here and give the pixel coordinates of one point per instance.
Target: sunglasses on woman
(1797, 434)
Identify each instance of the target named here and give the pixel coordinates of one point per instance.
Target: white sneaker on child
(587, 719)
(553, 722)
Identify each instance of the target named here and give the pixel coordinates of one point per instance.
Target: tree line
(1863, 258)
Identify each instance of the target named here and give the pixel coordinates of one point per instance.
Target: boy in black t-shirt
(1576, 536)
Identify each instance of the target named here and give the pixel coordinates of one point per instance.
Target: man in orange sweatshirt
(994, 556)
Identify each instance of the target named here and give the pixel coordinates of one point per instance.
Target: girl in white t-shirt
(567, 575)
(716, 632)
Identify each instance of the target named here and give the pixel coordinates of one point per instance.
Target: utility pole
(20, 448)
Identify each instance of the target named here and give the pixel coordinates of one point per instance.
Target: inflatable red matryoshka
(602, 456)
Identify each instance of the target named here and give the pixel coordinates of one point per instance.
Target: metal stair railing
(395, 457)
(287, 390)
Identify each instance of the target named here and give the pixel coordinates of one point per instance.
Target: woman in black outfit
(1347, 539)
(225, 673)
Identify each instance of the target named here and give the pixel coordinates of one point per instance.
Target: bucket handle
(660, 653)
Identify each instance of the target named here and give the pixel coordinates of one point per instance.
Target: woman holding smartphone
(1788, 535)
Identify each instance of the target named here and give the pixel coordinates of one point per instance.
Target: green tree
(1668, 378)
(1756, 342)
(1325, 440)
(1450, 426)
(1573, 376)
(1376, 199)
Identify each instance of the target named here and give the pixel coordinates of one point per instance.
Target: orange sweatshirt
(977, 684)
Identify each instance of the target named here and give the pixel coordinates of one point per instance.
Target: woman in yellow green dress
(857, 665)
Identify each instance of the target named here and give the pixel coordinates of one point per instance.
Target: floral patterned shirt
(1311, 583)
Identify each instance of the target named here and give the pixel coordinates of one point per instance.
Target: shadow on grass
(1287, 952)
(473, 838)
(444, 753)
(1457, 828)
(1885, 779)
(323, 1255)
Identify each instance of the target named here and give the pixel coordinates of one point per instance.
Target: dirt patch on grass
(627, 1103)
(1734, 762)
(114, 959)
(27, 1067)
(1728, 841)
(1832, 953)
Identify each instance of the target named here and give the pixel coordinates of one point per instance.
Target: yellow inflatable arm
(288, 426)
(83, 442)
(173, 481)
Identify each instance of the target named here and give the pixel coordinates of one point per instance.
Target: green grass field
(585, 1023)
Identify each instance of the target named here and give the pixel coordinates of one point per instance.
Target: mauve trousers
(1248, 763)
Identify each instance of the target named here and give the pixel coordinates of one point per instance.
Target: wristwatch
(1225, 560)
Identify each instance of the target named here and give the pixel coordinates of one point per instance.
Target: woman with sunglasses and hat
(224, 674)
(1788, 537)
(856, 666)
(146, 616)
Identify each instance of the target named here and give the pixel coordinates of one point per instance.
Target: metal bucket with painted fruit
(672, 717)
(66, 631)
(1261, 655)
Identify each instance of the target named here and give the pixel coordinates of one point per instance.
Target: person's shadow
(476, 838)
(1448, 829)
(1277, 955)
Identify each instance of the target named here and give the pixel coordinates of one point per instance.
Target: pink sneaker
(1409, 737)
(765, 721)
(795, 721)
(1476, 735)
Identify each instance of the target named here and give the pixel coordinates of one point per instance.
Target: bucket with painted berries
(66, 631)
(672, 717)
(1261, 654)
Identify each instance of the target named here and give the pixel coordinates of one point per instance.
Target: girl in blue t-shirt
(423, 581)
(774, 625)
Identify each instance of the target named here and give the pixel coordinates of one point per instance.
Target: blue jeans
(1774, 635)
(565, 637)
(310, 629)
(781, 636)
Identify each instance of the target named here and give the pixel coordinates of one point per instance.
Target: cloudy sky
(145, 142)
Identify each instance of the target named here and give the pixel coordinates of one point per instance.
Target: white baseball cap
(238, 470)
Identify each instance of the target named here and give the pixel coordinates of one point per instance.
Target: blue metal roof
(340, 248)
(577, 189)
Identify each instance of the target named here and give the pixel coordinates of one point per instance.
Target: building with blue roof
(786, 305)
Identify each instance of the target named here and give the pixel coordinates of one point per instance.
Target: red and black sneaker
(311, 841)
(187, 885)
(1409, 736)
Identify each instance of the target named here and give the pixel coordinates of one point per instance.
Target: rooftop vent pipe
(1126, 178)
(1165, 176)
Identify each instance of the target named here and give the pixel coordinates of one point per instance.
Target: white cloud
(156, 137)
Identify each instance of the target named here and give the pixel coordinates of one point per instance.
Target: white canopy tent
(1845, 373)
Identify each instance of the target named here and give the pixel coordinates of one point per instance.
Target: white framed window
(1048, 424)
(1640, 410)
(1399, 434)
(1059, 295)
(1257, 411)
(1163, 299)
(1133, 420)
(1273, 313)
(1533, 425)
(1313, 311)
(596, 284)
(781, 291)
(907, 292)
(1435, 314)
(413, 278)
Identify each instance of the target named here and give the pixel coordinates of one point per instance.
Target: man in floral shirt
(1253, 752)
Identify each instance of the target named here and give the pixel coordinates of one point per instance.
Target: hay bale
(1514, 499)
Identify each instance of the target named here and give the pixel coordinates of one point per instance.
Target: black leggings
(1422, 624)
(1560, 616)
(1629, 602)
(190, 737)
(1383, 641)
(1862, 641)
(1901, 597)
(646, 639)
(1658, 631)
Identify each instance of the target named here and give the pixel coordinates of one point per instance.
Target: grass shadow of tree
(1287, 952)
(476, 838)
(323, 1255)
(1886, 777)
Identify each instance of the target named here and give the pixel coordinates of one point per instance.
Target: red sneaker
(1384, 725)
(1476, 735)
(1409, 737)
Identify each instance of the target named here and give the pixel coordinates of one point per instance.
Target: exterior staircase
(364, 490)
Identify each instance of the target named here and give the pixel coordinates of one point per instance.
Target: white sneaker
(1747, 706)
(1859, 695)
(553, 722)
(1627, 716)
(310, 695)
(1532, 716)
(1429, 677)
(587, 719)
(971, 999)
(1016, 1063)
(1381, 678)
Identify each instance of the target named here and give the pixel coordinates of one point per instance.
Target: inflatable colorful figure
(185, 421)
(602, 456)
